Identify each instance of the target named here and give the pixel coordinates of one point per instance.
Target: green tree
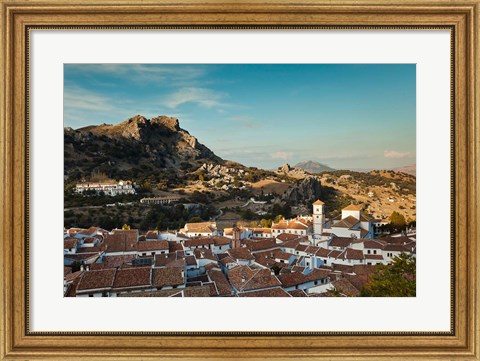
(278, 218)
(395, 280)
(195, 219)
(265, 223)
(397, 220)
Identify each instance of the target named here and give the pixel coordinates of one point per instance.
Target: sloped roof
(168, 276)
(97, 280)
(272, 292)
(201, 227)
(135, 277)
(352, 207)
(347, 222)
(240, 253)
(318, 202)
(152, 246)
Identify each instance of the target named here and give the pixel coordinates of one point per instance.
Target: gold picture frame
(18, 17)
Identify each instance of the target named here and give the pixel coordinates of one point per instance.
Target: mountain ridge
(312, 166)
(136, 143)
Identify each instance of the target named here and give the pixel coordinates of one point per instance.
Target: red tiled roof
(131, 235)
(136, 277)
(196, 242)
(272, 292)
(349, 253)
(152, 246)
(345, 287)
(352, 207)
(261, 244)
(292, 224)
(96, 280)
(240, 254)
(221, 241)
(204, 253)
(201, 227)
(168, 277)
(298, 278)
(69, 243)
(246, 280)
(287, 237)
(341, 242)
(66, 270)
(347, 222)
(373, 244)
(297, 293)
(71, 276)
(222, 285)
(117, 261)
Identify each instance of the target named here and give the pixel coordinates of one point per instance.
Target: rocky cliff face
(136, 143)
(291, 172)
(307, 191)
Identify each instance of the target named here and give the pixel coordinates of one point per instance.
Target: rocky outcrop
(137, 142)
(306, 191)
(291, 172)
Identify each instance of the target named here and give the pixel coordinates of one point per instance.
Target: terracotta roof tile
(152, 246)
(240, 254)
(168, 277)
(261, 244)
(223, 286)
(97, 280)
(201, 227)
(352, 207)
(132, 278)
(347, 222)
(272, 292)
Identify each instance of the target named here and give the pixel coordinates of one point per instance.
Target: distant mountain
(409, 169)
(133, 148)
(313, 167)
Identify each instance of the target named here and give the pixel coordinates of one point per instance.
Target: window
(374, 251)
(90, 295)
(368, 251)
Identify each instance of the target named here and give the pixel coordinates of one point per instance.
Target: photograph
(239, 180)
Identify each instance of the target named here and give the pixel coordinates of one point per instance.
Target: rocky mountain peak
(169, 122)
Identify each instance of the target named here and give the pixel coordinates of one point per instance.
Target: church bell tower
(318, 217)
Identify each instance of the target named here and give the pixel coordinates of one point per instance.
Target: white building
(111, 188)
(160, 200)
(353, 223)
(318, 217)
(297, 226)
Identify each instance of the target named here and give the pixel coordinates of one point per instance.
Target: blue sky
(349, 116)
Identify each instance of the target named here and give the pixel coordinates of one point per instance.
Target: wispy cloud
(397, 155)
(204, 97)
(281, 155)
(78, 98)
(245, 121)
(142, 72)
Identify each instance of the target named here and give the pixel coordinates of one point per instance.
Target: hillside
(382, 192)
(162, 159)
(408, 169)
(137, 148)
(313, 167)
